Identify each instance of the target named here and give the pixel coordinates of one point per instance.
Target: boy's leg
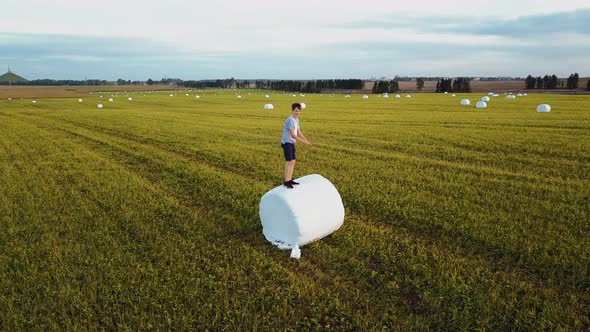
(292, 168)
(287, 171)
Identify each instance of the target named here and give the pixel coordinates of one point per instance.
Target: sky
(275, 39)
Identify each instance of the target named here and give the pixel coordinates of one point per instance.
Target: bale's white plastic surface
(465, 102)
(110, 99)
(304, 214)
(130, 99)
(408, 96)
(511, 97)
(398, 96)
(485, 98)
(544, 108)
(269, 107)
(239, 97)
(197, 97)
(481, 104)
(79, 100)
(34, 101)
(365, 97)
(99, 106)
(303, 106)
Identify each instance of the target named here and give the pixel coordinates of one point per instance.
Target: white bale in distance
(386, 96)
(347, 96)
(481, 104)
(485, 98)
(453, 95)
(524, 94)
(496, 95)
(171, 95)
(238, 96)
(292, 218)
(9, 98)
(80, 100)
(197, 97)
(408, 96)
(303, 106)
(269, 107)
(266, 96)
(519, 95)
(293, 95)
(544, 108)
(34, 101)
(99, 106)
(365, 97)
(186, 94)
(110, 99)
(446, 92)
(511, 97)
(465, 102)
(130, 99)
(398, 96)
(490, 93)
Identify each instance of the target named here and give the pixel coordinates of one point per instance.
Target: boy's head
(295, 109)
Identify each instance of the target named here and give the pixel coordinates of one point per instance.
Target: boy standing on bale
(292, 133)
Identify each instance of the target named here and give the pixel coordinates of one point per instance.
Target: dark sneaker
(294, 183)
(288, 185)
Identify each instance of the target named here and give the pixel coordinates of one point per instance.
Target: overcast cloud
(109, 39)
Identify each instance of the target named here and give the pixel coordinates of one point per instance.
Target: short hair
(295, 105)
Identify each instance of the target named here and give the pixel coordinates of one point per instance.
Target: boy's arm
(300, 134)
(295, 136)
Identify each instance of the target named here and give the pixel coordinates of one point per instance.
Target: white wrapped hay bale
(110, 99)
(303, 106)
(485, 98)
(398, 96)
(511, 97)
(197, 97)
(239, 97)
(80, 100)
(465, 102)
(130, 99)
(266, 96)
(269, 107)
(481, 104)
(365, 97)
(385, 95)
(453, 95)
(544, 108)
(408, 96)
(100, 106)
(292, 218)
(34, 101)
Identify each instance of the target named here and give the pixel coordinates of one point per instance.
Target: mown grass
(144, 215)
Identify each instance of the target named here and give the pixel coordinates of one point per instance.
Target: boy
(292, 133)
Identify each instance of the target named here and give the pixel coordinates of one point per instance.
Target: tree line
(551, 82)
(283, 85)
(48, 82)
(461, 84)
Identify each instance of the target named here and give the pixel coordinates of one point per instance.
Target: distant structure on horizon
(10, 78)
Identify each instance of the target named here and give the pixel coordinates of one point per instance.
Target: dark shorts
(289, 150)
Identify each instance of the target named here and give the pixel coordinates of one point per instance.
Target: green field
(144, 215)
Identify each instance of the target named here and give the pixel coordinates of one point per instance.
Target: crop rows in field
(145, 213)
